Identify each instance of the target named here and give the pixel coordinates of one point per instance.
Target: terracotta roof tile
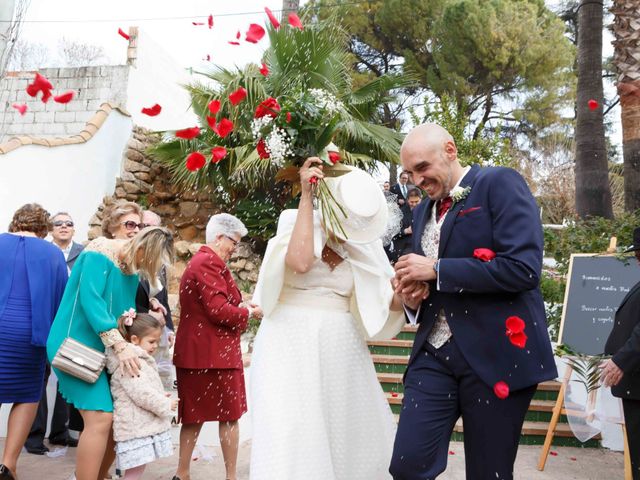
(84, 136)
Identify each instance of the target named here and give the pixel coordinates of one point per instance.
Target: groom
(465, 360)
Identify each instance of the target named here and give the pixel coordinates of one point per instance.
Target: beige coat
(140, 406)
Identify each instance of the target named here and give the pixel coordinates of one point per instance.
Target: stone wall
(148, 183)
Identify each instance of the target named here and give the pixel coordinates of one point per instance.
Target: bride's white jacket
(372, 276)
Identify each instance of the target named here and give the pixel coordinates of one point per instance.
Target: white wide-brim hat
(363, 203)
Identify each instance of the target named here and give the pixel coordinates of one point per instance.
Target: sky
(168, 22)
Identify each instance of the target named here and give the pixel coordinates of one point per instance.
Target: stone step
(395, 398)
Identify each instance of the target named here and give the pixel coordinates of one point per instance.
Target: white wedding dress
(318, 411)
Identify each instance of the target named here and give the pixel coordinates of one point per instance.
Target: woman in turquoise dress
(102, 285)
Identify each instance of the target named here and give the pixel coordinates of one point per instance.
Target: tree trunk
(626, 58)
(593, 194)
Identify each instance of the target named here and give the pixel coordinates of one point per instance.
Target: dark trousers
(59, 429)
(632, 421)
(439, 387)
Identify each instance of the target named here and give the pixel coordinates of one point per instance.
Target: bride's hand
(312, 167)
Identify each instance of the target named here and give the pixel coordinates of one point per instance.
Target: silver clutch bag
(75, 358)
(79, 361)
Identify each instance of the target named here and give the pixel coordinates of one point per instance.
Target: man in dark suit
(62, 234)
(401, 189)
(482, 345)
(622, 371)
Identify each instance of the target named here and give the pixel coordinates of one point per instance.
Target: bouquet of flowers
(301, 127)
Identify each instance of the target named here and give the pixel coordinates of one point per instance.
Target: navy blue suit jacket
(499, 213)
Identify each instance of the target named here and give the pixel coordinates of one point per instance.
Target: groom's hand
(413, 294)
(414, 268)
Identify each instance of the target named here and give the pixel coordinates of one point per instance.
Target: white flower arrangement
(257, 124)
(326, 100)
(278, 145)
(458, 193)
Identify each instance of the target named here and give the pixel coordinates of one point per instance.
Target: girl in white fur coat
(142, 412)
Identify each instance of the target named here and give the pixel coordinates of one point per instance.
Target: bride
(319, 412)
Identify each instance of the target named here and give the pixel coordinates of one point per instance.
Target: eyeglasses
(59, 223)
(235, 242)
(131, 225)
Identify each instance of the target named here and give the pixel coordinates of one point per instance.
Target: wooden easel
(558, 410)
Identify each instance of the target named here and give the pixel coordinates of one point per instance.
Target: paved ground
(568, 464)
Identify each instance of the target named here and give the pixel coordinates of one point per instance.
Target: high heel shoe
(5, 473)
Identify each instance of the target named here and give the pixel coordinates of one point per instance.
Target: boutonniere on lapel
(458, 194)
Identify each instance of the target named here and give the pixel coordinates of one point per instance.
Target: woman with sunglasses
(102, 285)
(122, 220)
(207, 352)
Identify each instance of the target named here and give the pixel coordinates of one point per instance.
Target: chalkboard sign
(596, 286)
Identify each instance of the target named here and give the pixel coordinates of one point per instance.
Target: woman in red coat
(207, 352)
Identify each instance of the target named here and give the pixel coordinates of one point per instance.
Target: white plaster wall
(72, 178)
(158, 78)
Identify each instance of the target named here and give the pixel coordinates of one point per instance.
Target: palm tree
(315, 57)
(626, 58)
(593, 196)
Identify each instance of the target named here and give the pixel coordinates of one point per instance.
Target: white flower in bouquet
(325, 100)
(278, 145)
(257, 124)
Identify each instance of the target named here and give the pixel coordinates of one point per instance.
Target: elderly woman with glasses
(122, 220)
(207, 352)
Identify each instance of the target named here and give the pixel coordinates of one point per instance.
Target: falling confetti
(238, 96)
(20, 108)
(195, 161)
(123, 35)
(593, 104)
(152, 111)
(501, 390)
(295, 22)
(210, 22)
(188, 133)
(272, 18)
(255, 33)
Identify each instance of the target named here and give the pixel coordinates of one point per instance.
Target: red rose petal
(393, 394)
(295, 22)
(224, 128)
(451, 452)
(515, 324)
(123, 35)
(238, 35)
(255, 33)
(197, 24)
(501, 390)
(152, 111)
(211, 121)
(21, 108)
(518, 339)
(208, 57)
(288, 117)
(234, 43)
(334, 157)
(239, 95)
(553, 454)
(42, 83)
(262, 151)
(188, 133)
(195, 161)
(272, 18)
(217, 154)
(46, 95)
(214, 106)
(573, 459)
(210, 21)
(593, 104)
(264, 70)
(484, 254)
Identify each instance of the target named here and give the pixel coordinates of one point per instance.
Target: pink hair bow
(130, 316)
